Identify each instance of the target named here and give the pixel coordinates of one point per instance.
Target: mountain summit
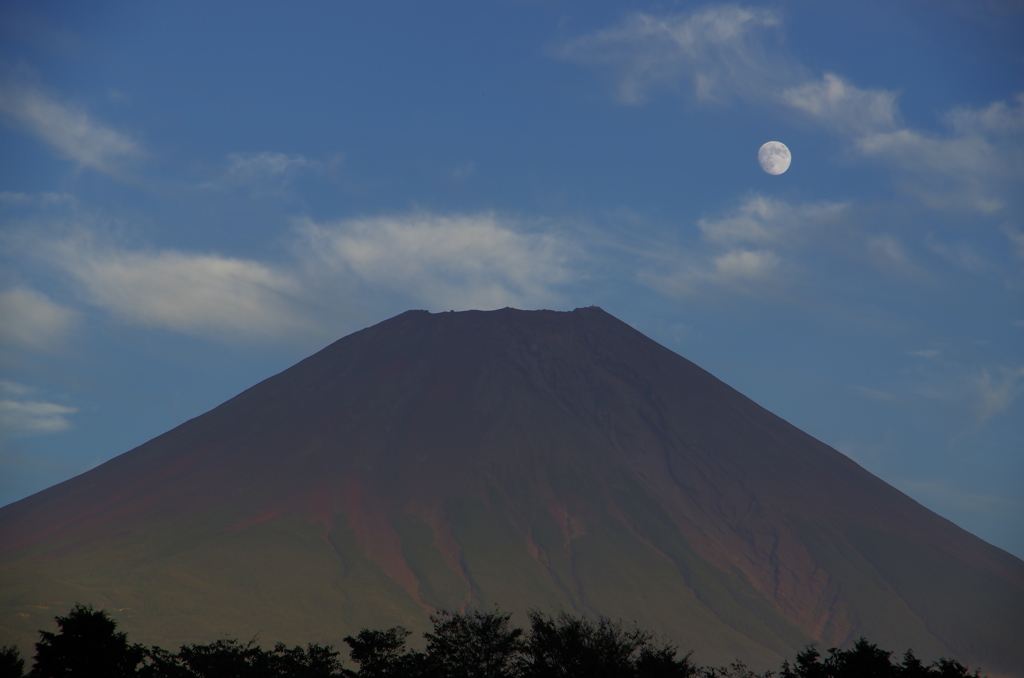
(525, 459)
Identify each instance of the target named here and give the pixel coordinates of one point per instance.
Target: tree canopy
(460, 645)
(88, 645)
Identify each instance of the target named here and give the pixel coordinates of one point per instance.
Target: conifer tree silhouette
(11, 663)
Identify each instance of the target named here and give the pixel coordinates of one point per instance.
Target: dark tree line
(476, 645)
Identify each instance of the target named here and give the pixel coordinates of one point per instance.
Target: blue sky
(194, 196)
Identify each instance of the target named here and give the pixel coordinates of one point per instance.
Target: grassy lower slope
(286, 580)
(861, 600)
(290, 580)
(609, 570)
(728, 595)
(988, 612)
(280, 581)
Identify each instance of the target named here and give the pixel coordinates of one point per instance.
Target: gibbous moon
(774, 157)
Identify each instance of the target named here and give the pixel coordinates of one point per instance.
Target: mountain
(522, 459)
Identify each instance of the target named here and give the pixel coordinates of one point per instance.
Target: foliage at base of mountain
(476, 645)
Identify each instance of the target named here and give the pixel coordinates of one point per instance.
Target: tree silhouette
(735, 670)
(481, 645)
(866, 660)
(11, 663)
(951, 668)
(862, 660)
(475, 645)
(86, 646)
(315, 661)
(231, 659)
(567, 646)
(382, 654)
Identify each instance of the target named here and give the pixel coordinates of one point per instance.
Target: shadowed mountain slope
(523, 459)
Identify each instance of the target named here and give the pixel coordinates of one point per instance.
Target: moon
(774, 157)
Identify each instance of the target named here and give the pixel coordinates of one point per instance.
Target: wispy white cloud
(260, 169)
(868, 454)
(998, 117)
(117, 96)
(746, 265)
(944, 172)
(972, 166)
(837, 103)
(718, 48)
(32, 320)
(199, 294)
(874, 394)
(886, 252)
(995, 393)
(464, 171)
(728, 51)
(13, 388)
(1016, 239)
(963, 256)
(750, 272)
(33, 418)
(761, 219)
(36, 199)
(244, 165)
(978, 393)
(68, 128)
(446, 261)
(449, 261)
(743, 249)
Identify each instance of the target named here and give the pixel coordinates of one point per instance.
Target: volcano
(520, 459)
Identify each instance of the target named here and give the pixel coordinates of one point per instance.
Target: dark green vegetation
(528, 460)
(478, 645)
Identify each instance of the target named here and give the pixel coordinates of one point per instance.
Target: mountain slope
(523, 459)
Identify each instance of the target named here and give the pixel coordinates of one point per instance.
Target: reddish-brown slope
(588, 443)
